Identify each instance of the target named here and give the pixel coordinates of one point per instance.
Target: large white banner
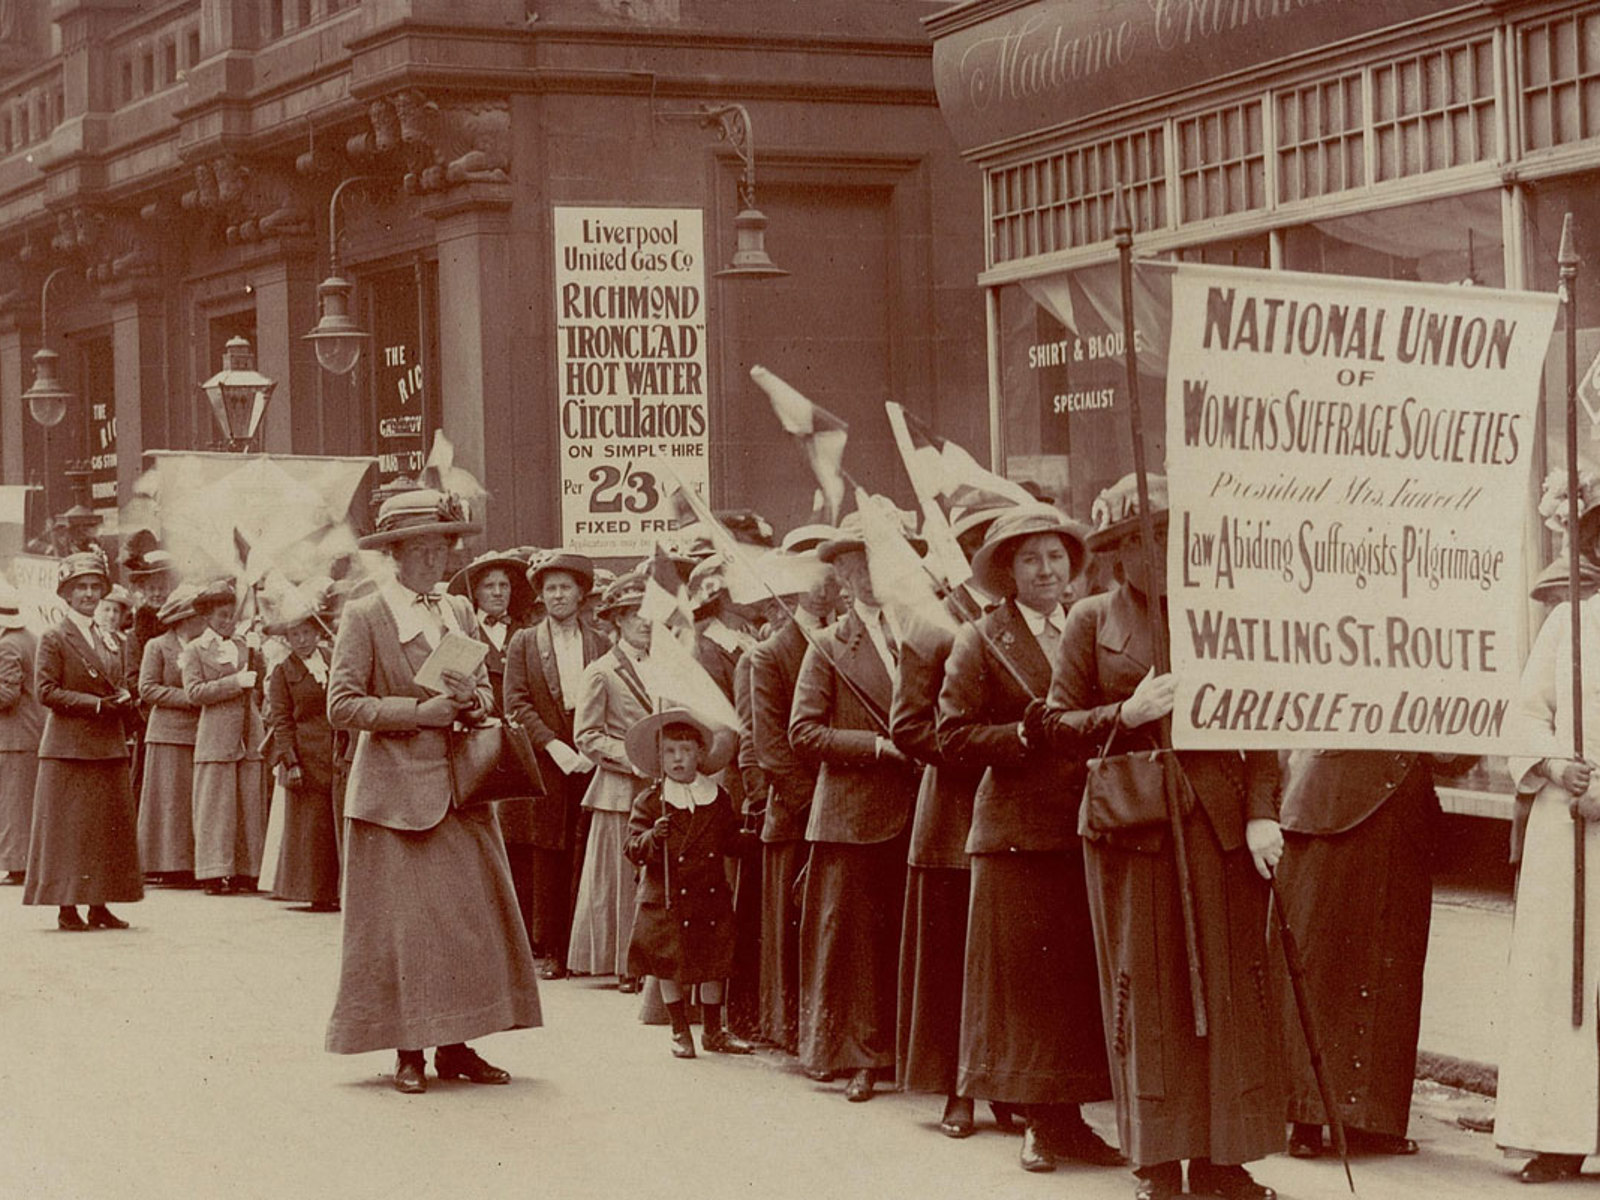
(631, 371)
(1349, 464)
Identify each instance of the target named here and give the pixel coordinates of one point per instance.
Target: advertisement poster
(630, 369)
(1349, 465)
(398, 376)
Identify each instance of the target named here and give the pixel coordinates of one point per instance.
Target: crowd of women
(942, 881)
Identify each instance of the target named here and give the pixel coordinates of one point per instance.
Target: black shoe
(1363, 1141)
(1547, 1168)
(683, 1044)
(1161, 1181)
(1006, 1116)
(408, 1077)
(1305, 1140)
(215, 887)
(720, 1041)
(628, 985)
(16, 878)
(101, 917)
(1075, 1140)
(68, 919)
(1036, 1155)
(552, 970)
(860, 1086)
(1229, 1182)
(449, 1062)
(957, 1119)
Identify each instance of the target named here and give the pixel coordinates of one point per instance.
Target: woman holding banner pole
(1214, 1099)
(1548, 1101)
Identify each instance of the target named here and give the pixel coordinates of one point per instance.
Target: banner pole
(1567, 258)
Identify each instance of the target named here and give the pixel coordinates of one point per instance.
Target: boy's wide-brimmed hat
(991, 565)
(77, 566)
(643, 742)
(523, 598)
(417, 513)
(1116, 510)
(578, 566)
(179, 605)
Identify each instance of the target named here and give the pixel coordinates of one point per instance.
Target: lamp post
(47, 399)
(732, 123)
(238, 394)
(336, 336)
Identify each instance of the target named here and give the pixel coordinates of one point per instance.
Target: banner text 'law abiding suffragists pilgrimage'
(631, 371)
(1349, 464)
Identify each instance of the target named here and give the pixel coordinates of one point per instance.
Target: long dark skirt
(933, 945)
(849, 954)
(308, 860)
(781, 863)
(743, 1001)
(433, 950)
(550, 898)
(1031, 1027)
(166, 808)
(1180, 1096)
(84, 848)
(19, 775)
(1360, 904)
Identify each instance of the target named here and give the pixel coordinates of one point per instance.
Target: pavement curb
(1464, 1073)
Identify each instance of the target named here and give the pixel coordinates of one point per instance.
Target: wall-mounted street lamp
(732, 123)
(238, 394)
(337, 337)
(47, 399)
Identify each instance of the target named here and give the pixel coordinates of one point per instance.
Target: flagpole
(1122, 232)
(1567, 258)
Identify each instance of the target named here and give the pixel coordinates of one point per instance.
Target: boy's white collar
(689, 796)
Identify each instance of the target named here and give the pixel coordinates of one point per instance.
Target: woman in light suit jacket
(166, 800)
(433, 951)
(83, 848)
(230, 796)
(611, 699)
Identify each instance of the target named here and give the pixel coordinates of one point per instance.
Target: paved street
(183, 1059)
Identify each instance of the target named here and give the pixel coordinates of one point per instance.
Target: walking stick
(1302, 1003)
(1122, 231)
(1567, 257)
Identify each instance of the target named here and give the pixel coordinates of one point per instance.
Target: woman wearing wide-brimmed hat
(1031, 1034)
(84, 847)
(544, 670)
(433, 951)
(166, 797)
(220, 674)
(611, 699)
(300, 742)
(21, 723)
(1217, 1101)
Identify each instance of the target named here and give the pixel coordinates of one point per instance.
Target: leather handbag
(490, 762)
(1125, 797)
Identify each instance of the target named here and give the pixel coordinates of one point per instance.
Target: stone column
(286, 308)
(475, 331)
(139, 367)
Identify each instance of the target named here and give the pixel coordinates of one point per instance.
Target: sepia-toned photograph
(799, 599)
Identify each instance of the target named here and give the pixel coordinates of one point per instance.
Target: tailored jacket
(173, 717)
(944, 798)
(495, 661)
(1332, 791)
(297, 720)
(1104, 653)
(229, 729)
(611, 699)
(1028, 798)
(753, 780)
(147, 627)
(534, 700)
(697, 842)
(400, 773)
(21, 718)
(72, 678)
(859, 799)
(774, 668)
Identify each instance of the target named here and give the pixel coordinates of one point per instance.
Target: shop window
(1222, 162)
(1560, 61)
(1434, 110)
(1231, 252)
(1455, 239)
(1320, 138)
(1066, 200)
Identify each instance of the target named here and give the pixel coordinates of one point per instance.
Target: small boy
(681, 829)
